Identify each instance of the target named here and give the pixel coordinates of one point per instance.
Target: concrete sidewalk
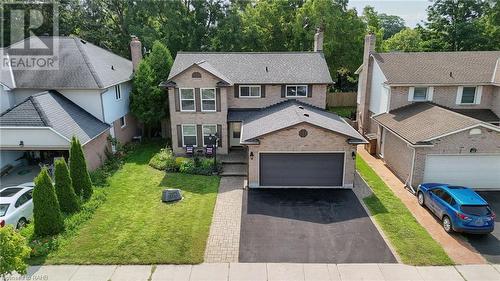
(261, 271)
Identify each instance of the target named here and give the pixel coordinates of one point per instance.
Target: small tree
(13, 252)
(46, 211)
(78, 170)
(66, 196)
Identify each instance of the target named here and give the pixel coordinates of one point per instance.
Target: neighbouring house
(270, 104)
(433, 116)
(86, 96)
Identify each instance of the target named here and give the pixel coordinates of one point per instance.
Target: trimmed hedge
(68, 202)
(46, 211)
(78, 170)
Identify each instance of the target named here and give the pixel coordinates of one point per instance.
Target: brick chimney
(365, 87)
(318, 40)
(135, 51)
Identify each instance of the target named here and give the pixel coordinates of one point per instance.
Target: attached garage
(302, 169)
(476, 171)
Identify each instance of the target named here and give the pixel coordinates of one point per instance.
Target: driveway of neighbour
(457, 248)
(489, 245)
(309, 226)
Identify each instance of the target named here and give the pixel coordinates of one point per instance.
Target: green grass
(133, 226)
(411, 241)
(343, 111)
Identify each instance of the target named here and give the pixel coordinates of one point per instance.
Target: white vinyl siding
(379, 91)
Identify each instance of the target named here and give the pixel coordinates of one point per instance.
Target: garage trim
(302, 152)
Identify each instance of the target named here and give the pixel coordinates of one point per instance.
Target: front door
(234, 133)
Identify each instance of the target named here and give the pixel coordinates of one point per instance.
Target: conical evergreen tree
(78, 170)
(68, 202)
(46, 211)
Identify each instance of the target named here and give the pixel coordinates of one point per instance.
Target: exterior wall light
(353, 154)
(21, 143)
(251, 155)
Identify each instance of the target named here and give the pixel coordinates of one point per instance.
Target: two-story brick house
(86, 95)
(434, 115)
(272, 104)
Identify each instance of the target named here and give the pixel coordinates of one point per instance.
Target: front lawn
(412, 242)
(133, 226)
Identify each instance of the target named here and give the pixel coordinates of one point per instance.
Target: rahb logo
(28, 38)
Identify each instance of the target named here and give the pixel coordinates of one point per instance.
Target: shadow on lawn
(187, 182)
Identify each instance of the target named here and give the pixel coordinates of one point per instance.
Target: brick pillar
(135, 51)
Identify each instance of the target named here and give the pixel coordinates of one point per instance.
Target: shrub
(46, 212)
(187, 166)
(78, 170)
(14, 252)
(66, 196)
(164, 160)
(179, 161)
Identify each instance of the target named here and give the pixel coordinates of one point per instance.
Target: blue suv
(459, 208)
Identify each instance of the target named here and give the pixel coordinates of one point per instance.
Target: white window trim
(429, 95)
(193, 99)
(295, 86)
(195, 134)
(203, 132)
(202, 99)
(249, 91)
(124, 121)
(118, 92)
(477, 95)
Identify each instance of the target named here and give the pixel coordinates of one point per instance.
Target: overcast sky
(412, 11)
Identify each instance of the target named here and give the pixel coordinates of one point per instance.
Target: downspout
(409, 180)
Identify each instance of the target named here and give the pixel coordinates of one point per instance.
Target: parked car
(16, 206)
(459, 208)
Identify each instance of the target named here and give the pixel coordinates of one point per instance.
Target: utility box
(371, 146)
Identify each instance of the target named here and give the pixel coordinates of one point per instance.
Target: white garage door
(476, 171)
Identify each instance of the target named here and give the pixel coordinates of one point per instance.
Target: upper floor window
(208, 99)
(249, 91)
(189, 135)
(469, 95)
(420, 93)
(187, 99)
(118, 92)
(196, 75)
(296, 91)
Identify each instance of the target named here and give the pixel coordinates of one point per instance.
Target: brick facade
(318, 139)
(125, 134)
(398, 156)
(95, 151)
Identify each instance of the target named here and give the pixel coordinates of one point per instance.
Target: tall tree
(454, 25)
(160, 61)
(66, 196)
(78, 170)
(407, 40)
(46, 211)
(391, 24)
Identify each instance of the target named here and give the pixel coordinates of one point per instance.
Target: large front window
(468, 95)
(189, 137)
(249, 91)
(296, 91)
(209, 132)
(208, 99)
(187, 99)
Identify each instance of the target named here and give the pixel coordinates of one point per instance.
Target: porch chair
(209, 151)
(189, 150)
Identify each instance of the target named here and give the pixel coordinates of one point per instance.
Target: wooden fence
(341, 99)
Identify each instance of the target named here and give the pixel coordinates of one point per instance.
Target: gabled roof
(440, 68)
(51, 109)
(282, 115)
(258, 67)
(421, 122)
(81, 65)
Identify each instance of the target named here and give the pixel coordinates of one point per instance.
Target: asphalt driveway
(489, 245)
(308, 226)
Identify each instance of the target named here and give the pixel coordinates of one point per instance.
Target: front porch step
(234, 169)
